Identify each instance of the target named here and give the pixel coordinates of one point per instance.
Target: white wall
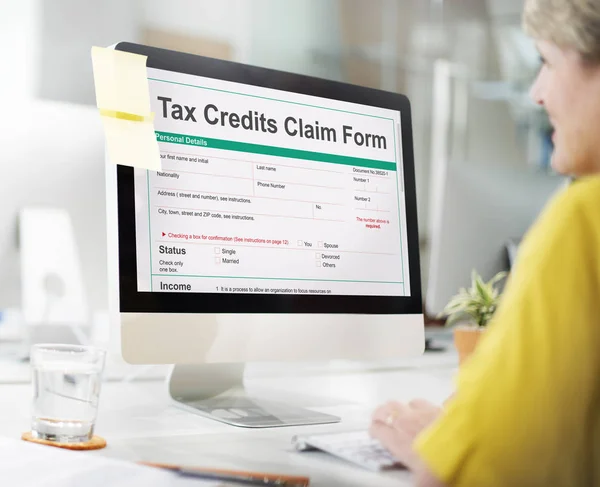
(19, 35)
(47, 43)
(68, 29)
(490, 133)
(221, 20)
(272, 33)
(287, 35)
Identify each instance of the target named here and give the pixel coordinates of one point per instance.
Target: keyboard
(354, 446)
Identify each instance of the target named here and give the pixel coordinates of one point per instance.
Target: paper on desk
(29, 465)
(123, 98)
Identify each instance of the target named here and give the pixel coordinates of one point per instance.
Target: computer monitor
(282, 227)
(53, 157)
(479, 215)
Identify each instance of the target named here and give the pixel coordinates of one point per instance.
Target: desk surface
(139, 423)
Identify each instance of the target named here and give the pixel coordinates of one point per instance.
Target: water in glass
(65, 400)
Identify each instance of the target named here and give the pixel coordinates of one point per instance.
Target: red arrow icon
(163, 234)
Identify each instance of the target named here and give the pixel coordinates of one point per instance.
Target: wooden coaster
(96, 443)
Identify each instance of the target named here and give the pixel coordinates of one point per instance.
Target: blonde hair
(571, 24)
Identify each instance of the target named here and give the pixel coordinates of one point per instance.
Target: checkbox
(300, 243)
(217, 250)
(318, 263)
(320, 244)
(217, 260)
(318, 255)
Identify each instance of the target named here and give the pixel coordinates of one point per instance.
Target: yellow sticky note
(123, 97)
(121, 81)
(131, 143)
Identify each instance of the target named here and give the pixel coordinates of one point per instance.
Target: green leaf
(477, 303)
(481, 289)
(497, 278)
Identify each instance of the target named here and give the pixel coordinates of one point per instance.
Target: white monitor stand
(281, 228)
(218, 391)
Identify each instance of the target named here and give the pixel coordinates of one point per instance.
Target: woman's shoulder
(572, 217)
(585, 190)
(580, 199)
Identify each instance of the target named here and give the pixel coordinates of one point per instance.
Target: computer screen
(282, 224)
(264, 191)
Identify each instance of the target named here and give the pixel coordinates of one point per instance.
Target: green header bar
(273, 151)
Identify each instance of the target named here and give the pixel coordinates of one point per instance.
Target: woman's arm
(425, 478)
(396, 425)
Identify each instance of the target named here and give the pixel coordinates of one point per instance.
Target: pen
(240, 477)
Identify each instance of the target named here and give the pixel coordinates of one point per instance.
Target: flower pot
(465, 341)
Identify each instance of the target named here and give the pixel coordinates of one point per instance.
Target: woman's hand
(396, 425)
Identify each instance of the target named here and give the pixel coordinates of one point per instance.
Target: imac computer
(479, 217)
(53, 162)
(281, 227)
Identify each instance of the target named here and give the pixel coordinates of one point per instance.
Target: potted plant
(473, 308)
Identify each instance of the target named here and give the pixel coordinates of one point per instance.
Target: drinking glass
(66, 391)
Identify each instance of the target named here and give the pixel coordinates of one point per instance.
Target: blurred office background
(464, 64)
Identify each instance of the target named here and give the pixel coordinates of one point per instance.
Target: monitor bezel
(132, 301)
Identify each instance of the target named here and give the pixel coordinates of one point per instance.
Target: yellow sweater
(527, 406)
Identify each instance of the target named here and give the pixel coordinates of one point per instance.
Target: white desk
(140, 424)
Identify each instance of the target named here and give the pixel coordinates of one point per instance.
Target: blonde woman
(526, 412)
